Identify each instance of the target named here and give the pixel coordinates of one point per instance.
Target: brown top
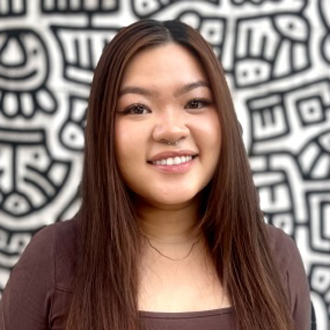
(38, 293)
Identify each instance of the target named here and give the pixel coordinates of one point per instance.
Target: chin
(174, 199)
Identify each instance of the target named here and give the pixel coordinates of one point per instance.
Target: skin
(167, 203)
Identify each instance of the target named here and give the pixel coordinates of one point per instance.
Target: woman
(169, 234)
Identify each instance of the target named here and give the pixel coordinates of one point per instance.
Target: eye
(136, 109)
(197, 104)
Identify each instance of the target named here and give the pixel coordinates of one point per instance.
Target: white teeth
(177, 160)
(169, 161)
(173, 161)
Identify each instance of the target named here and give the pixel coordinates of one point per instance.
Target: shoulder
(289, 262)
(282, 246)
(58, 238)
(287, 257)
(45, 266)
(53, 251)
(65, 229)
(64, 236)
(61, 234)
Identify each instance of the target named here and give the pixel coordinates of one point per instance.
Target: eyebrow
(147, 92)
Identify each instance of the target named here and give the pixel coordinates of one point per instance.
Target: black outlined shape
(212, 28)
(276, 199)
(146, 8)
(72, 131)
(270, 47)
(309, 103)
(81, 49)
(71, 208)
(311, 110)
(293, 5)
(13, 242)
(24, 71)
(313, 319)
(314, 158)
(253, 2)
(262, 2)
(79, 6)
(279, 161)
(12, 8)
(318, 214)
(319, 280)
(30, 176)
(323, 7)
(268, 118)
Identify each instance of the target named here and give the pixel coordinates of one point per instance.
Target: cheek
(209, 140)
(209, 134)
(130, 144)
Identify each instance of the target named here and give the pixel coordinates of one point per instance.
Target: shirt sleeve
(298, 287)
(27, 298)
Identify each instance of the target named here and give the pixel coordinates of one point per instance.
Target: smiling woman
(165, 97)
(169, 234)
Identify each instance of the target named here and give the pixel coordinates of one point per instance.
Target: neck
(169, 224)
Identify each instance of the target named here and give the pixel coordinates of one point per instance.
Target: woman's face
(164, 96)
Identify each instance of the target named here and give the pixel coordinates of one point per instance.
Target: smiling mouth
(22, 75)
(172, 161)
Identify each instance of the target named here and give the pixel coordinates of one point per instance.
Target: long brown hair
(106, 282)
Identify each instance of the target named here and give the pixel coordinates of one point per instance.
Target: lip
(167, 154)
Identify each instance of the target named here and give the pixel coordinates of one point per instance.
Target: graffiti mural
(276, 55)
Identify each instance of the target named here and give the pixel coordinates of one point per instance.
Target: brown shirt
(39, 291)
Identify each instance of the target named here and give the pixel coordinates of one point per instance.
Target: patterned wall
(276, 54)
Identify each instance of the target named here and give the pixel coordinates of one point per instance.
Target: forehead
(166, 64)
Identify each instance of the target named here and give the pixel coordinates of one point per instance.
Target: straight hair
(106, 281)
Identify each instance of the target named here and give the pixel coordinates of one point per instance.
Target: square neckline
(184, 315)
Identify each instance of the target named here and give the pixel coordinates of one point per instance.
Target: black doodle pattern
(213, 29)
(31, 178)
(320, 281)
(69, 209)
(146, 8)
(12, 8)
(325, 17)
(81, 49)
(253, 2)
(270, 47)
(276, 197)
(318, 214)
(276, 55)
(314, 158)
(72, 131)
(271, 119)
(79, 6)
(24, 70)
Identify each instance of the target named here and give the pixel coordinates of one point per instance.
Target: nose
(13, 54)
(170, 126)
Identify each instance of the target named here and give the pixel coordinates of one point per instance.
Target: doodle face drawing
(30, 177)
(24, 69)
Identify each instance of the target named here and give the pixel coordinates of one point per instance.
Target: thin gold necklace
(167, 257)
